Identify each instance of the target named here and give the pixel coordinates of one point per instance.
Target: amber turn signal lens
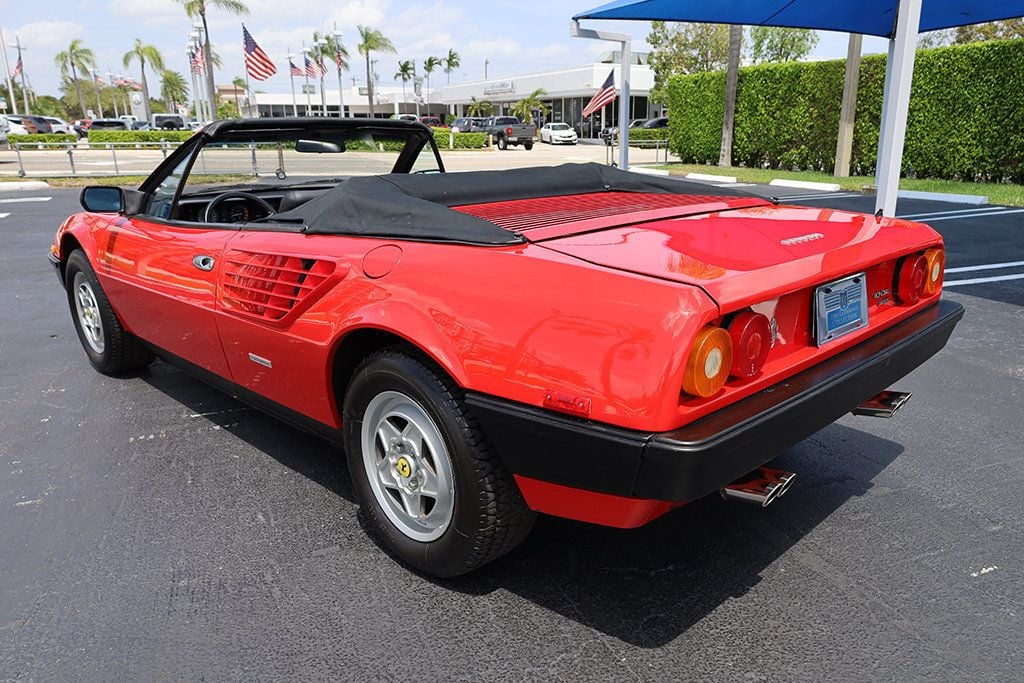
(751, 336)
(709, 362)
(936, 260)
(910, 279)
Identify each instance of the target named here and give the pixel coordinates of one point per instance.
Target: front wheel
(110, 348)
(430, 486)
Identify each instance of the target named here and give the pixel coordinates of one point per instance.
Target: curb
(648, 171)
(805, 185)
(972, 199)
(14, 186)
(712, 177)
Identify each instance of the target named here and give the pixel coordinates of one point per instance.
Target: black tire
(528, 146)
(121, 351)
(490, 517)
(502, 143)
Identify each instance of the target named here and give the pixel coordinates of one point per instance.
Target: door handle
(203, 262)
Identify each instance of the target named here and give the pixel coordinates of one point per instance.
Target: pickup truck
(509, 130)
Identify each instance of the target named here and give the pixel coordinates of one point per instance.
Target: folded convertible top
(417, 206)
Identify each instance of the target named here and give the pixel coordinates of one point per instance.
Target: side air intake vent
(270, 286)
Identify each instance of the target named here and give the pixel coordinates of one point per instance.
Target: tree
(73, 61)
(239, 84)
(429, 64)
(143, 53)
(406, 72)
(451, 63)
(1006, 29)
(732, 77)
(777, 44)
(173, 89)
(372, 40)
(682, 48)
(525, 107)
(479, 107)
(197, 9)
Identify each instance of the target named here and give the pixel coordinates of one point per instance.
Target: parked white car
(15, 126)
(558, 134)
(59, 125)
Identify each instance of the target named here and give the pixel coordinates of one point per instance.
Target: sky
(518, 37)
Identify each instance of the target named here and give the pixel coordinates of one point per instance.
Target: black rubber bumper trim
(697, 459)
(55, 262)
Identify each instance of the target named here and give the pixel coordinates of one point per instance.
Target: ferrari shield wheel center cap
(404, 467)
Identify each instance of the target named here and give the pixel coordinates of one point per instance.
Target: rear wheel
(502, 143)
(431, 488)
(110, 348)
(528, 146)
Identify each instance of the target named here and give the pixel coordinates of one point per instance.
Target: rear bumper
(701, 457)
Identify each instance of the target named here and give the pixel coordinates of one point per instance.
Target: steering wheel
(221, 198)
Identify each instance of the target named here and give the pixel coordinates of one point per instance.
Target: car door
(161, 276)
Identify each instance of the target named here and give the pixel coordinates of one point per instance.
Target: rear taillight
(911, 275)
(708, 365)
(508, 131)
(751, 336)
(936, 260)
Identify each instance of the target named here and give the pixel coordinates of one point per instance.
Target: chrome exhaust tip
(885, 404)
(760, 487)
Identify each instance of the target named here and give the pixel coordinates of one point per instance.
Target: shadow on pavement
(643, 586)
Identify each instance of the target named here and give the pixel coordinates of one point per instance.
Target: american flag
(339, 58)
(119, 81)
(99, 79)
(133, 84)
(17, 68)
(312, 69)
(602, 97)
(198, 61)
(294, 70)
(322, 66)
(257, 63)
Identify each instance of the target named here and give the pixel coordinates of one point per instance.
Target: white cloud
(48, 34)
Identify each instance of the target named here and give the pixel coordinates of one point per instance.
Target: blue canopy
(870, 17)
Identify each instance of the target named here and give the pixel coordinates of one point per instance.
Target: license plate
(841, 307)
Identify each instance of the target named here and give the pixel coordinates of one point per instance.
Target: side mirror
(107, 199)
(101, 199)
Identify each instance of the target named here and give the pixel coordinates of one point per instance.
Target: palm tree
(239, 84)
(198, 8)
(524, 108)
(173, 88)
(429, 64)
(406, 72)
(479, 107)
(372, 40)
(330, 48)
(73, 61)
(451, 63)
(144, 53)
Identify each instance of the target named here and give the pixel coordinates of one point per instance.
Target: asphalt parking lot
(153, 528)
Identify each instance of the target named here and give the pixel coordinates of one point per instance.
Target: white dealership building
(566, 93)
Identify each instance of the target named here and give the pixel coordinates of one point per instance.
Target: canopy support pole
(625, 40)
(899, 71)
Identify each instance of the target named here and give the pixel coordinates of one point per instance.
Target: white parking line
(19, 200)
(973, 209)
(4, 215)
(984, 214)
(980, 280)
(987, 266)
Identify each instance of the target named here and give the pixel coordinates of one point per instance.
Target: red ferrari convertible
(577, 341)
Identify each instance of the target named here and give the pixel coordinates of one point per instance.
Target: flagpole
(24, 87)
(305, 70)
(7, 70)
(96, 84)
(291, 75)
(110, 77)
(337, 60)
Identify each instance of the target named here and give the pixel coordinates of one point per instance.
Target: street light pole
(110, 79)
(320, 44)
(96, 84)
(24, 86)
(291, 76)
(305, 70)
(626, 58)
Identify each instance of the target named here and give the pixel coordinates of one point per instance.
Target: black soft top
(417, 207)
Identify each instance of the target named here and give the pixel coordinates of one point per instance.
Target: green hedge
(462, 140)
(648, 133)
(41, 137)
(966, 118)
(139, 135)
